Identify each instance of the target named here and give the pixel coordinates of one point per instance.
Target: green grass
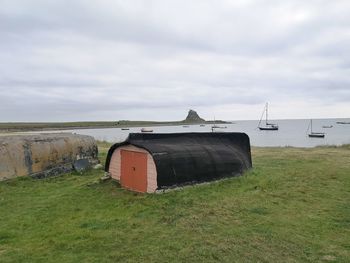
(294, 206)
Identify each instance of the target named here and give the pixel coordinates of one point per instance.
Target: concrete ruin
(44, 155)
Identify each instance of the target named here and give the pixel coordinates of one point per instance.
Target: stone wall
(44, 155)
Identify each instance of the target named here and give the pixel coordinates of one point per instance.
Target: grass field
(294, 206)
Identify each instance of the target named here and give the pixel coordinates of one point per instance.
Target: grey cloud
(98, 59)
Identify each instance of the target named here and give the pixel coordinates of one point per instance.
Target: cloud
(100, 60)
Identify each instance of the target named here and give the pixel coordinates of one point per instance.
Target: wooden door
(134, 170)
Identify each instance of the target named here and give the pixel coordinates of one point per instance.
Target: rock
(81, 165)
(98, 166)
(193, 117)
(106, 177)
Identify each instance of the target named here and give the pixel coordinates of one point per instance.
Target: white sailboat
(215, 126)
(313, 134)
(268, 126)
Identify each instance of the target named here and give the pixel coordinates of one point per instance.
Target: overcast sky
(153, 60)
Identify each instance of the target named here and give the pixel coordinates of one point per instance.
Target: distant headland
(192, 118)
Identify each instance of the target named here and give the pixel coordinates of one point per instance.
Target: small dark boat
(202, 125)
(125, 129)
(327, 126)
(268, 126)
(343, 122)
(315, 134)
(185, 126)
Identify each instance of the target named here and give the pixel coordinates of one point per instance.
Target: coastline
(28, 127)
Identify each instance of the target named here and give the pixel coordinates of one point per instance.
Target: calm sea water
(290, 133)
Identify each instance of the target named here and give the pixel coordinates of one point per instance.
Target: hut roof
(187, 157)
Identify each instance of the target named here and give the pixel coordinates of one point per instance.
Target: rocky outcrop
(193, 117)
(44, 155)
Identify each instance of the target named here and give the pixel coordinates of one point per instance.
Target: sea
(292, 133)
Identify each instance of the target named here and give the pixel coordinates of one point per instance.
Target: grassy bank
(294, 206)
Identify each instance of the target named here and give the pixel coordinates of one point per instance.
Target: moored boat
(313, 134)
(268, 126)
(316, 135)
(217, 127)
(146, 130)
(343, 122)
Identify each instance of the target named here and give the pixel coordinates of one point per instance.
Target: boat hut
(151, 162)
(44, 155)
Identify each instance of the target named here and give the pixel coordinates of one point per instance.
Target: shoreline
(21, 127)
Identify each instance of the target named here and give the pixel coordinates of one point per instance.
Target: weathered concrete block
(44, 155)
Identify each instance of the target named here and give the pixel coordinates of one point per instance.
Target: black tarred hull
(316, 135)
(268, 128)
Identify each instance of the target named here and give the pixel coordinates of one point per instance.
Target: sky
(156, 59)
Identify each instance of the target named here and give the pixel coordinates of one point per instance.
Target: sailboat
(315, 134)
(268, 126)
(215, 126)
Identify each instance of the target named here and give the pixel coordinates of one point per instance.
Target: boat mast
(311, 125)
(266, 111)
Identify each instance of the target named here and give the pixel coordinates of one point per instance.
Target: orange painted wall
(134, 170)
(115, 166)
